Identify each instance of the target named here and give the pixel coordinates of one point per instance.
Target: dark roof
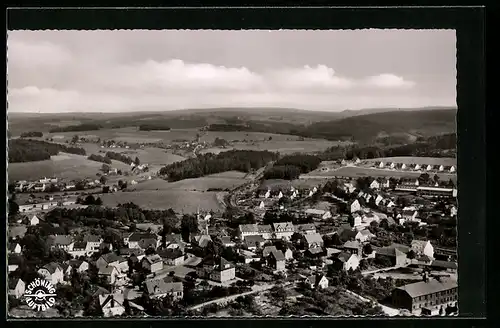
(315, 250)
(278, 255)
(268, 250)
(389, 251)
(400, 247)
(14, 259)
(131, 251)
(80, 245)
(343, 257)
(170, 253)
(253, 240)
(92, 238)
(13, 283)
(425, 288)
(173, 238)
(137, 236)
(52, 267)
(112, 257)
(147, 243)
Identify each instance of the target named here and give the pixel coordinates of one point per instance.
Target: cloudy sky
(113, 71)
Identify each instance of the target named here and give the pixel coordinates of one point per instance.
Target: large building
(427, 294)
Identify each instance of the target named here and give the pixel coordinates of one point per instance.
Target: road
(227, 299)
(387, 310)
(383, 269)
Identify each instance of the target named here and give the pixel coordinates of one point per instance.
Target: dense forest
(234, 160)
(286, 172)
(228, 127)
(99, 158)
(154, 127)
(77, 128)
(32, 134)
(292, 166)
(436, 146)
(119, 157)
(27, 150)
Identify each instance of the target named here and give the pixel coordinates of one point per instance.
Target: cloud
(43, 54)
(388, 81)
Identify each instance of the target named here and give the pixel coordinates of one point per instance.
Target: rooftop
(425, 288)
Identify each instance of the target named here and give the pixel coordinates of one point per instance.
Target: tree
(105, 168)
(137, 161)
(103, 179)
(13, 208)
(75, 139)
(367, 249)
(411, 254)
(189, 225)
(436, 178)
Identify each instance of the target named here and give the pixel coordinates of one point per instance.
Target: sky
(134, 70)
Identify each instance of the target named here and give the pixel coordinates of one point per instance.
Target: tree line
(154, 127)
(32, 134)
(233, 160)
(119, 157)
(28, 150)
(77, 128)
(423, 147)
(99, 158)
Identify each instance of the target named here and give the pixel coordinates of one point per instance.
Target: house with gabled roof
(17, 287)
(112, 304)
(64, 242)
(346, 261)
(422, 247)
(283, 230)
(394, 255)
(254, 242)
(52, 272)
(276, 260)
(353, 247)
(218, 269)
(318, 214)
(172, 257)
(245, 230)
(142, 240)
(375, 184)
(159, 288)
(305, 228)
(268, 250)
(14, 248)
(152, 263)
(427, 294)
(110, 273)
(316, 281)
(112, 259)
(364, 236)
(355, 206)
(312, 240)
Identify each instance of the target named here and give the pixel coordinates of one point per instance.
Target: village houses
(52, 272)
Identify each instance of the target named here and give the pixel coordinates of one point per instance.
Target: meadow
(226, 180)
(179, 200)
(65, 166)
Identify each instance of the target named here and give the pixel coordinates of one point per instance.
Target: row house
(159, 288)
(63, 242)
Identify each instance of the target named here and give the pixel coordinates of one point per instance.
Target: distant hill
(370, 126)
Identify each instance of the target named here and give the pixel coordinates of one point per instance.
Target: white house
(403, 166)
(357, 220)
(423, 247)
(364, 235)
(318, 214)
(378, 199)
(417, 167)
(288, 254)
(441, 168)
(15, 248)
(112, 304)
(317, 281)
(283, 230)
(262, 205)
(152, 263)
(393, 165)
(375, 184)
(355, 206)
(52, 272)
(452, 169)
(34, 220)
(381, 165)
(268, 194)
(110, 273)
(348, 261)
(429, 167)
(16, 288)
(390, 204)
(280, 195)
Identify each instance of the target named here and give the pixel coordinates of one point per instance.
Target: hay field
(65, 166)
(445, 161)
(150, 155)
(178, 200)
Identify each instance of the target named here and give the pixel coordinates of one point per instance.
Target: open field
(65, 166)
(178, 200)
(150, 155)
(355, 172)
(231, 180)
(445, 161)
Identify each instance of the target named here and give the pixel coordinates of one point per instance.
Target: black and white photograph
(232, 173)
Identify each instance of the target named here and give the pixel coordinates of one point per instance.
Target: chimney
(424, 277)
